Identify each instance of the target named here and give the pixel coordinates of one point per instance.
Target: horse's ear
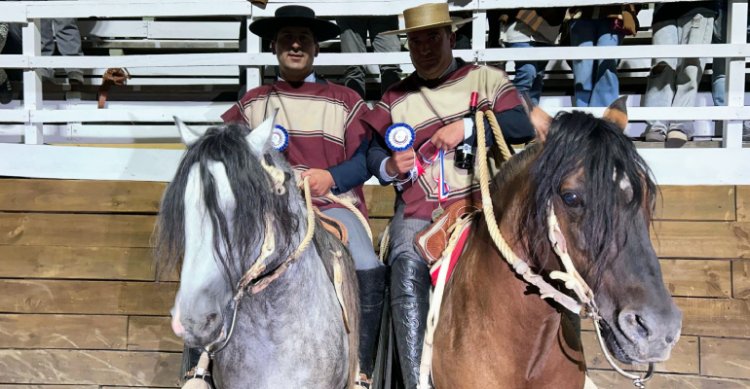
(259, 138)
(617, 112)
(188, 135)
(538, 117)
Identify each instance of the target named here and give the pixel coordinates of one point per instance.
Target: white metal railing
(33, 115)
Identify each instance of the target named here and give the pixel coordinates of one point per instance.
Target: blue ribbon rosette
(400, 136)
(279, 138)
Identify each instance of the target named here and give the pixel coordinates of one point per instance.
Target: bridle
(255, 280)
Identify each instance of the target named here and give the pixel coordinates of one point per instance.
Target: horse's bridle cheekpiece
(294, 16)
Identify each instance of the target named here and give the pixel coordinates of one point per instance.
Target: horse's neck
(513, 315)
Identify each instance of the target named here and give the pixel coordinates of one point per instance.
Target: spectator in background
(719, 66)
(596, 82)
(674, 82)
(62, 33)
(10, 43)
(6, 93)
(532, 28)
(354, 33)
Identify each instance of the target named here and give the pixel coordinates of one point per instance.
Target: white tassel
(200, 370)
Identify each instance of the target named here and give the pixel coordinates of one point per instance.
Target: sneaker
(6, 92)
(655, 133)
(676, 139)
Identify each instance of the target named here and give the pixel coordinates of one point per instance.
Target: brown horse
(494, 329)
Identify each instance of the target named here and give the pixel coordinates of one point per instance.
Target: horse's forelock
(254, 197)
(579, 141)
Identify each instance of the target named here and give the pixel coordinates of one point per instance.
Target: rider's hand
(449, 136)
(321, 181)
(400, 163)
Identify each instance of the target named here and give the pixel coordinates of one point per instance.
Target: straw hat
(427, 16)
(294, 16)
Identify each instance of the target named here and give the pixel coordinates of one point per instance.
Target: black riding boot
(371, 294)
(410, 302)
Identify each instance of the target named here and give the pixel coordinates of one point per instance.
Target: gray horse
(291, 333)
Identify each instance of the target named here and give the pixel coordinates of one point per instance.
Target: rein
(584, 306)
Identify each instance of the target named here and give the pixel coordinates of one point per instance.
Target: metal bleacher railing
(35, 122)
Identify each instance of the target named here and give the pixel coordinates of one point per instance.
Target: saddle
(433, 239)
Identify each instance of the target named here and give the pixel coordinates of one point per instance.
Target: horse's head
(602, 194)
(213, 217)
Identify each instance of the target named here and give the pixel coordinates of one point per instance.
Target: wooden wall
(80, 307)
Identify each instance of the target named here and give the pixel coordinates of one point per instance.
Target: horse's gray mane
(254, 195)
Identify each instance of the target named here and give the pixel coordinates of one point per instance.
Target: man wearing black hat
(321, 136)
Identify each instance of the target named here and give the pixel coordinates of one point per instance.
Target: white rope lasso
(519, 266)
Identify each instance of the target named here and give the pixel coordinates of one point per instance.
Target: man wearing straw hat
(430, 105)
(320, 134)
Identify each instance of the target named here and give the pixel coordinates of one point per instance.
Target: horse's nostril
(642, 327)
(669, 339)
(211, 317)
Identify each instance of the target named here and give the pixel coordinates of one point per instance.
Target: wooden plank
(380, 200)
(701, 239)
(77, 262)
(741, 279)
(695, 203)
(743, 203)
(715, 317)
(86, 367)
(706, 203)
(725, 357)
(147, 333)
(697, 278)
(612, 380)
(63, 331)
(86, 297)
(80, 196)
(684, 357)
(76, 230)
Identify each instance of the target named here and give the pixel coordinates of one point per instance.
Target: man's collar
(310, 78)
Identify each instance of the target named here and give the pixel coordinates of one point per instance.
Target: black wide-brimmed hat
(294, 16)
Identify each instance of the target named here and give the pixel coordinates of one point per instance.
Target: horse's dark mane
(252, 189)
(578, 140)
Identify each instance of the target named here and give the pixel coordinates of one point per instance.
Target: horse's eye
(571, 199)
